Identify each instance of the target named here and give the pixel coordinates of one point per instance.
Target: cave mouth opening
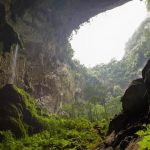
(104, 37)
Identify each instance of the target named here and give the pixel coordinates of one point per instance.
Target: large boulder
(135, 99)
(17, 112)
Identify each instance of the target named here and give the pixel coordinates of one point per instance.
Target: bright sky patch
(105, 36)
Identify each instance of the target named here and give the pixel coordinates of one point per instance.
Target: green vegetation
(29, 100)
(82, 124)
(145, 45)
(104, 84)
(18, 112)
(92, 110)
(101, 87)
(59, 132)
(63, 133)
(145, 135)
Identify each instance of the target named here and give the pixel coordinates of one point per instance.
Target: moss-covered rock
(18, 112)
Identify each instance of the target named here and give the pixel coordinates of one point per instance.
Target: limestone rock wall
(42, 29)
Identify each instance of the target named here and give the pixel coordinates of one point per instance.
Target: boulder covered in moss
(18, 112)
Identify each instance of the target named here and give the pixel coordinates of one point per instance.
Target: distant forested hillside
(104, 84)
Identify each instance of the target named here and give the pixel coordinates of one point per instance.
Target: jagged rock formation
(42, 29)
(122, 129)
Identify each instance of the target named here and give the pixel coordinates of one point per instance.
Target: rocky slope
(122, 133)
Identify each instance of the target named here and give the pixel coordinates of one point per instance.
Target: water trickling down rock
(13, 65)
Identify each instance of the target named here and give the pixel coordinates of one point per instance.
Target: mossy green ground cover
(144, 143)
(58, 132)
(63, 134)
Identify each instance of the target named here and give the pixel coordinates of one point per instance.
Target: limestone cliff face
(41, 67)
(51, 84)
(42, 29)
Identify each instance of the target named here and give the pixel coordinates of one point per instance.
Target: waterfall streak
(13, 65)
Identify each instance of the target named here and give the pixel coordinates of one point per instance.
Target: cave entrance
(121, 33)
(104, 38)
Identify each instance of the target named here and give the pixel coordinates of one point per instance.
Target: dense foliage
(145, 135)
(92, 110)
(59, 132)
(62, 133)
